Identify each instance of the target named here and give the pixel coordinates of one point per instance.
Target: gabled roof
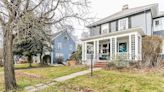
(59, 33)
(127, 12)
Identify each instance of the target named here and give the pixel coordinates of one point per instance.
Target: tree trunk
(30, 61)
(41, 60)
(9, 73)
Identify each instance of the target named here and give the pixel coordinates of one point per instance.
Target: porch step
(100, 64)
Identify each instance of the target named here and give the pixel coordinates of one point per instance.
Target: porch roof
(127, 31)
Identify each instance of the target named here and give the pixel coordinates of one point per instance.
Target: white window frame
(70, 47)
(123, 24)
(59, 45)
(58, 55)
(159, 22)
(105, 28)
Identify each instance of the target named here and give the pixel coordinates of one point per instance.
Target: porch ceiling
(128, 31)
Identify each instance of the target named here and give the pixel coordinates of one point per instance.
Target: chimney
(125, 7)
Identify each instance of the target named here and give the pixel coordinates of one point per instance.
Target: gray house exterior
(62, 46)
(120, 34)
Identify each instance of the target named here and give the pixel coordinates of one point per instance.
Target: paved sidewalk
(60, 79)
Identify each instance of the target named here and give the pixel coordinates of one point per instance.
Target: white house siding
(161, 24)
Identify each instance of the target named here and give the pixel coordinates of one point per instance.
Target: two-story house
(121, 34)
(63, 45)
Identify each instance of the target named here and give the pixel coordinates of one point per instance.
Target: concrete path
(54, 81)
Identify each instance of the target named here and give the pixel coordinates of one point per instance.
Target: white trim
(111, 49)
(98, 49)
(130, 48)
(94, 49)
(52, 57)
(115, 34)
(136, 46)
(116, 47)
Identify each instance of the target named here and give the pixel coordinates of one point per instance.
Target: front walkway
(54, 81)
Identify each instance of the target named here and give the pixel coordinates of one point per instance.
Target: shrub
(151, 47)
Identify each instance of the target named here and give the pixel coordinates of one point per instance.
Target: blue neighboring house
(63, 45)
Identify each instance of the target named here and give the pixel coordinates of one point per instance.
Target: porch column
(97, 49)
(130, 48)
(52, 58)
(94, 49)
(116, 48)
(84, 51)
(111, 49)
(136, 47)
(140, 45)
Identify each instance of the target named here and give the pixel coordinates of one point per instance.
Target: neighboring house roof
(55, 35)
(127, 12)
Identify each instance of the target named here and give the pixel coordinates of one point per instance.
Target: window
(113, 26)
(70, 47)
(59, 45)
(104, 28)
(58, 55)
(123, 24)
(122, 47)
(157, 22)
(105, 48)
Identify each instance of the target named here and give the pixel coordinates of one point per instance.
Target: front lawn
(1, 69)
(111, 81)
(22, 66)
(28, 77)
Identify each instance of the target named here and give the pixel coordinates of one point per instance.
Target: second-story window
(157, 23)
(70, 47)
(59, 45)
(104, 28)
(123, 24)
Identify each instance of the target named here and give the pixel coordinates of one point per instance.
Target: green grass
(111, 81)
(21, 66)
(28, 77)
(1, 69)
(26, 65)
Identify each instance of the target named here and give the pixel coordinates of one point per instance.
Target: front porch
(119, 45)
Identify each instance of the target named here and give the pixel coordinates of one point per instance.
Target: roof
(127, 12)
(59, 33)
(56, 34)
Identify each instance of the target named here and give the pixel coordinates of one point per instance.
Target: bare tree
(47, 12)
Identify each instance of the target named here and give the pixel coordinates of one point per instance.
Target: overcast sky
(103, 8)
